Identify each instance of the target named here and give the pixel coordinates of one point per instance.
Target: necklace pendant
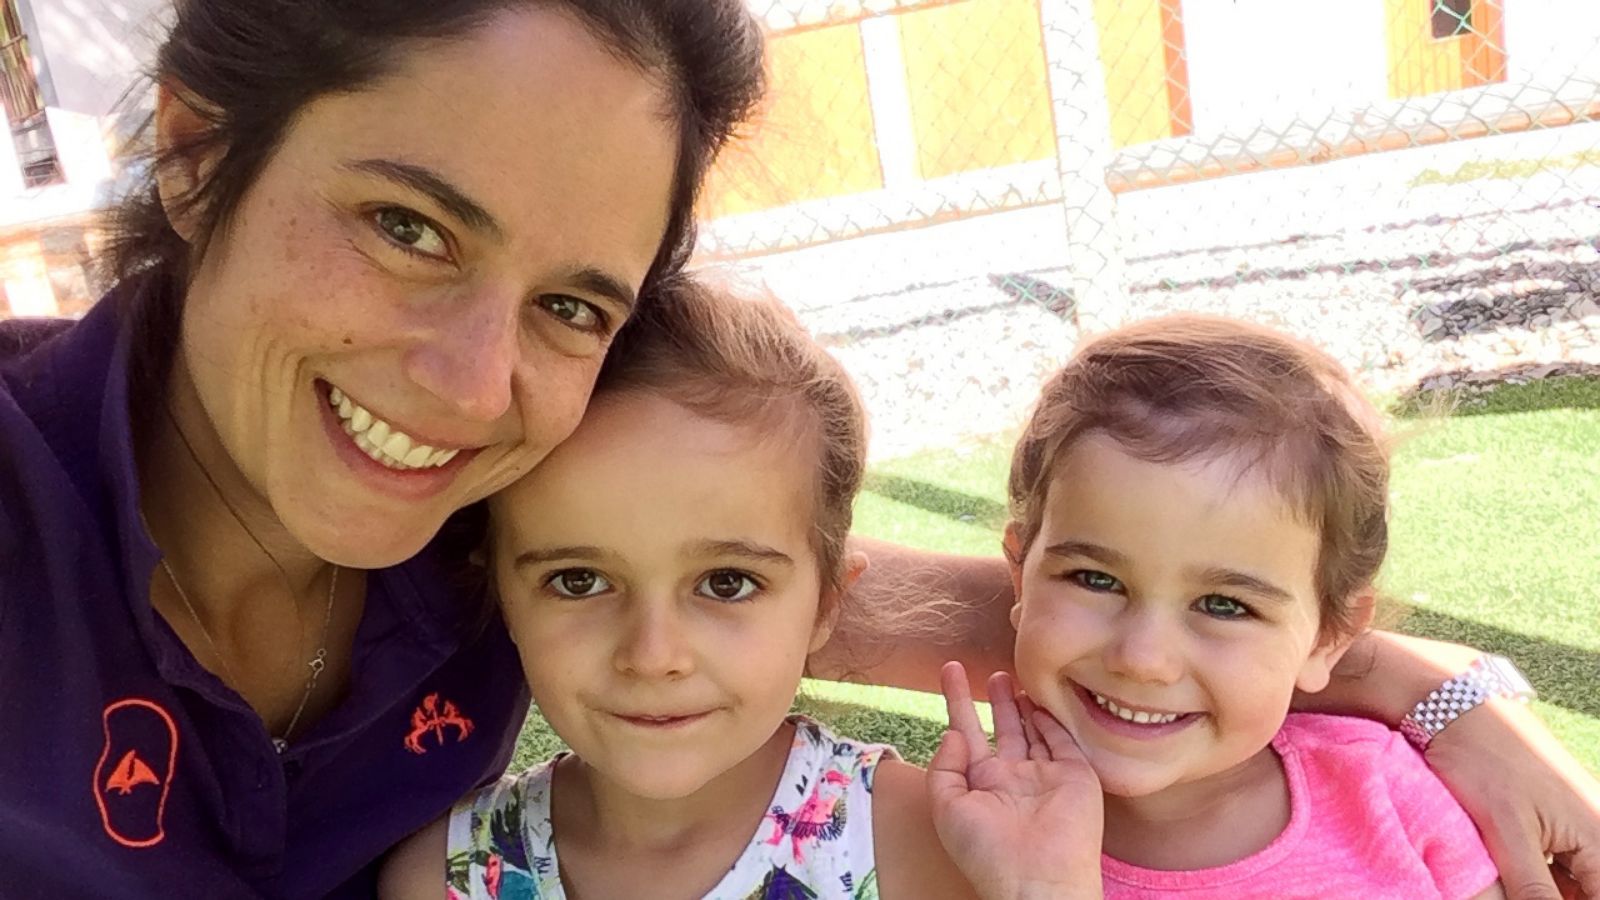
(280, 745)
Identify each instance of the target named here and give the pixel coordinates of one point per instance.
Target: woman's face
(412, 302)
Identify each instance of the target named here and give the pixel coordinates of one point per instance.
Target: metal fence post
(1083, 156)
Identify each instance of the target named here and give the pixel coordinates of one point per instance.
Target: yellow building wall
(1134, 55)
(979, 94)
(1421, 64)
(814, 135)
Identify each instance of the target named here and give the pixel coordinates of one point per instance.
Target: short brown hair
(749, 361)
(1182, 387)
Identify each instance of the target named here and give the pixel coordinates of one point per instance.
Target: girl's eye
(1220, 607)
(411, 232)
(1095, 581)
(727, 586)
(577, 583)
(580, 314)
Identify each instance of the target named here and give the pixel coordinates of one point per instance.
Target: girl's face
(1178, 596)
(656, 574)
(428, 271)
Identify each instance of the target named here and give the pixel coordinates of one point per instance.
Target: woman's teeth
(1139, 717)
(383, 442)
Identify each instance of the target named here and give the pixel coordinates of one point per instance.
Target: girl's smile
(1167, 614)
(1132, 722)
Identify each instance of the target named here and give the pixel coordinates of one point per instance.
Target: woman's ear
(182, 165)
(855, 563)
(1318, 668)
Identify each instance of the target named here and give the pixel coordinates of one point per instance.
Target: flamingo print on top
(815, 841)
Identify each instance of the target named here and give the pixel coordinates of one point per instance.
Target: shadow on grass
(1564, 675)
(1577, 388)
(938, 500)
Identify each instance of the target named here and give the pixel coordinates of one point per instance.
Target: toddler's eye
(1221, 607)
(576, 583)
(727, 586)
(1095, 581)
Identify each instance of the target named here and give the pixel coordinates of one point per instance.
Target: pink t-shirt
(1367, 819)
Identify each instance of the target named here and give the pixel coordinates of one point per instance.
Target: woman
(385, 247)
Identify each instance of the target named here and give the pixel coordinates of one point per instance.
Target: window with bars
(1451, 17)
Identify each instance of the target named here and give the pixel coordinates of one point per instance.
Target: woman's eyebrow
(597, 282)
(436, 187)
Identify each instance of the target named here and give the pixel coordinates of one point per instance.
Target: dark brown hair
(249, 66)
(749, 361)
(1184, 387)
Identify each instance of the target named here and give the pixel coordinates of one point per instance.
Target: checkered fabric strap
(1472, 688)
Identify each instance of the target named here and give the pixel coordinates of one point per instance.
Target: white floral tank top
(814, 842)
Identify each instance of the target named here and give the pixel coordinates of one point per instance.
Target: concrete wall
(1272, 61)
(91, 51)
(1548, 40)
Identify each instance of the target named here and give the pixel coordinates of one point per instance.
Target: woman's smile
(383, 457)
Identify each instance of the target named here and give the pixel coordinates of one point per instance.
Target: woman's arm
(972, 626)
(1526, 793)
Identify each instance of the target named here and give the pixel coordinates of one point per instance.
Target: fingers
(1009, 741)
(1523, 871)
(1566, 885)
(947, 770)
(959, 707)
(1038, 751)
(1578, 873)
(1062, 745)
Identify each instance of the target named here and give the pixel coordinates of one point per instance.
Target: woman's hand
(1529, 797)
(1023, 820)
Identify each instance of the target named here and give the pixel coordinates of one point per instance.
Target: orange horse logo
(432, 718)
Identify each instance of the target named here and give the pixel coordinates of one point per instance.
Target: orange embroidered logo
(432, 718)
(134, 774)
(129, 774)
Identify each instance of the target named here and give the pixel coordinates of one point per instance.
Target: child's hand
(1023, 820)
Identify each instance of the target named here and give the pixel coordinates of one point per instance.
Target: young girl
(1198, 513)
(665, 573)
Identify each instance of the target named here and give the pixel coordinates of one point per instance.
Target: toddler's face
(1166, 614)
(656, 575)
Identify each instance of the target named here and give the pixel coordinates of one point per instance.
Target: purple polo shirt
(126, 769)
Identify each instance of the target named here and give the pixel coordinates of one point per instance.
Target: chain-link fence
(950, 192)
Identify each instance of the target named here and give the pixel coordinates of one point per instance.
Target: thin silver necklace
(319, 660)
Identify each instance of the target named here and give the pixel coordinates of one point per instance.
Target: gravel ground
(949, 330)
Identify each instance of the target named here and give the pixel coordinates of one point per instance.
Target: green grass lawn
(1495, 542)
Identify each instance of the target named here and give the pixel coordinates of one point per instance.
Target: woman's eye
(1220, 607)
(577, 583)
(412, 232)
(727, 586)
(580, 314)
(1095, 581)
